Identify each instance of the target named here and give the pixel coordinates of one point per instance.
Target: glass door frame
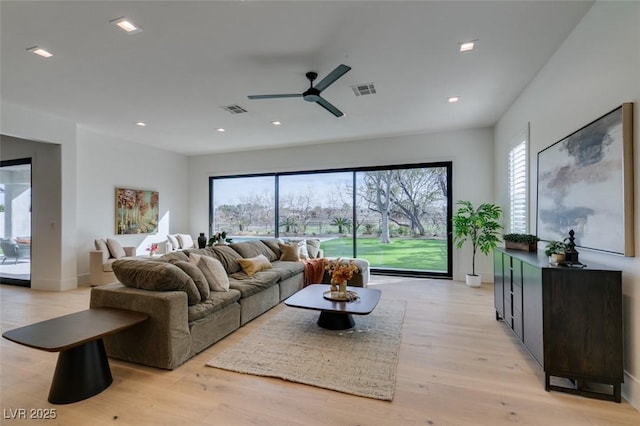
(20, 162)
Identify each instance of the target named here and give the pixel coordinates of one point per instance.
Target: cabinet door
(532, 311)
(516, 296)
(498, 284)
(583, 323)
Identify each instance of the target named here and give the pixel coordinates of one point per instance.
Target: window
(518, 184)
(396, 217)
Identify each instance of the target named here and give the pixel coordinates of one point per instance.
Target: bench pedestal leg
(81, 372)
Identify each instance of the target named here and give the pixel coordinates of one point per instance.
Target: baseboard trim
(631, 390)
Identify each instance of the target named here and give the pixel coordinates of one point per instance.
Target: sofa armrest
(130, 251)
(163, 341)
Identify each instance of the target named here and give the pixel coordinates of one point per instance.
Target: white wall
(471, 152)
(75, 173)
(105, 163)
(54, 182)
(594, 71)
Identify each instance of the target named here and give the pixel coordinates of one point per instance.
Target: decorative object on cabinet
(555, 250)
(480, 226)
(569, 319)
(587, 178)
(136, 211)
(524, 242)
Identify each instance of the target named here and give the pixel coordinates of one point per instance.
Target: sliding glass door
(15, 222)
(396, 217)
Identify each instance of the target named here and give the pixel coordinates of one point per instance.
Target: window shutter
(518, 188)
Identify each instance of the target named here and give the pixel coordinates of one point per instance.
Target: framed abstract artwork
(585, 183)
(136, 211)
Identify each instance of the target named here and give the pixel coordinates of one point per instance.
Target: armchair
(14, 250)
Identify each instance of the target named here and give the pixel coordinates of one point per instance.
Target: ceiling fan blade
(332, 76)
(329, 107)
(282, 95)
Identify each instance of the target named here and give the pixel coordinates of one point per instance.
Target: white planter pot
(473, 280)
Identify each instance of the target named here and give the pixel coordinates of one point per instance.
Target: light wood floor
(458, 366)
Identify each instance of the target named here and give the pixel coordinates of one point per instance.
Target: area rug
(361, 361)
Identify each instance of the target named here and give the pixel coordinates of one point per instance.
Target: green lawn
(413, 254)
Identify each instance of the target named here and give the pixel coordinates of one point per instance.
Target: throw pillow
(101, 245)
(313, 247)
(173, 240)
(197, 276)
(302, 249)
(115, 248)
(185, 241)
(212, 270)
(290, 252)
(255, 264)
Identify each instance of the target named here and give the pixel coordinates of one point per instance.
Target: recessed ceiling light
(141, 123)
(40, 51)
(453, 99)
(276, 123)
(220, 129)
(126, 25)
(467, 46)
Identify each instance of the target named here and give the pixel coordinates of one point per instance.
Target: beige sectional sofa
(186, 318)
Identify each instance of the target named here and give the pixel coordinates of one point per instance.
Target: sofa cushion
(313, 248)
(101, 245)
(197, 276)
(287, 269)
(155, 276)
(174, 257)
(216, 302)
(302, 249)
(228, 257)
(289, 252)
(115, 248)
(213, 271)
(255, 264)
(272, 243)
(185, 241)
(249, 249)
(248, 286)
(173, 240)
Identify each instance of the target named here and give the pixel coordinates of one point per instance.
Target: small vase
(202, 241)
(342, 289)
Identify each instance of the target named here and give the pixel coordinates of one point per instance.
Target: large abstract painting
(585, 183)
(136, 211)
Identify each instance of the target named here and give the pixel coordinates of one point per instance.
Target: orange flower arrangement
(340, 270)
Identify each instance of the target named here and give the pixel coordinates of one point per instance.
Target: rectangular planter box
(521, 246)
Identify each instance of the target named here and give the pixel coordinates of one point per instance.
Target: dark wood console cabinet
(569, 319)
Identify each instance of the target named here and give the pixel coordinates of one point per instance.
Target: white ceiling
(194, 57)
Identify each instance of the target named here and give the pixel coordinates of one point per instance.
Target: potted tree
(481, 227)
(525, 242)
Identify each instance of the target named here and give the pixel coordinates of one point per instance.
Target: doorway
(15, 222)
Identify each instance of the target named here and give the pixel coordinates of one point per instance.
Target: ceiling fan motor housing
(311, 95)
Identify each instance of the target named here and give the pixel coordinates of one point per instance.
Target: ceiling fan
(313, 93)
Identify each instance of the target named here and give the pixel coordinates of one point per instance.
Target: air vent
(234, 109)
(364, 89)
